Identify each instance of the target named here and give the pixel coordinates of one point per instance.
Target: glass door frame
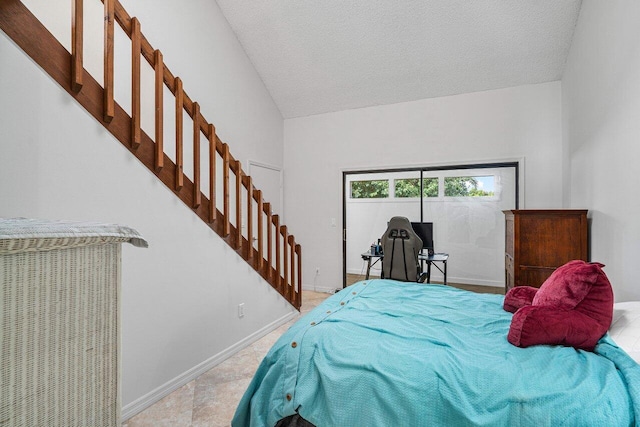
(346, 173)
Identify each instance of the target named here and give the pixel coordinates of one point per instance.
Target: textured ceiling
(317, 56)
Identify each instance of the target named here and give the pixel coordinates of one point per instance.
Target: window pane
(469, 186)
(407, 187)
(374, 189)
(410, 187)
(430, 187)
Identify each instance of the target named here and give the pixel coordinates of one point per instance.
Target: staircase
(257, 236)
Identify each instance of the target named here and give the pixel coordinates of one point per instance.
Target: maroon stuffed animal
(573, 307)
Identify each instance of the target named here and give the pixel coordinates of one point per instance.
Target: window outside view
(410, 187)
(469, 186)
(456, 186)
(373, 189)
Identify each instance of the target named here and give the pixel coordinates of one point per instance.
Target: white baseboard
(438, 277)
(167, 388)
(375, 271)
(474, 281)
(323, 289)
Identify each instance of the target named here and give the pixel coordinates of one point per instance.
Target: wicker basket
(60, 323)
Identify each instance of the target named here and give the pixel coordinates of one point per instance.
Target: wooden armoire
(539, 241)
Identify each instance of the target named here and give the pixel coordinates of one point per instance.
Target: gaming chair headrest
(400, 227)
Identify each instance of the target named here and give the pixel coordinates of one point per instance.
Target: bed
(387, 353)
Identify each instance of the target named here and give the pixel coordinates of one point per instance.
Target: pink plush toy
(573, 307)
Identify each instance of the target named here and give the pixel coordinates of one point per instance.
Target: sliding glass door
(464, 203)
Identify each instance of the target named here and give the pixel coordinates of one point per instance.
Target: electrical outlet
(241, 310)
(317, 270)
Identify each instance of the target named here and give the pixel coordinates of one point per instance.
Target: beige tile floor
(211, 399)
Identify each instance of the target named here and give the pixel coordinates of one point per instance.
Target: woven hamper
(60, 322)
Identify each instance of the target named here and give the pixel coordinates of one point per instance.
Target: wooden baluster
(259, 210)
(225, 189)
(249, 219)
(292, 248)
(269, 222)
(159, 89)
(197, 198)
(298, 303)
(238, 205)
(77, 67)
(109, 102)
(285, 262)
(179, 134)
(135, 83)
(212, 173)
(276, 223)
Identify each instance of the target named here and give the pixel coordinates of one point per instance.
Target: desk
(429, 259)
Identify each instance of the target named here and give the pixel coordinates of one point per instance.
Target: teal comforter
(386, 353)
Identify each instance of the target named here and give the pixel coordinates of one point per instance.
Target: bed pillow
(518, 297)
(625, 328)
(573, 307)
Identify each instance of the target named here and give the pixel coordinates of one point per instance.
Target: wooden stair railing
(284, 273)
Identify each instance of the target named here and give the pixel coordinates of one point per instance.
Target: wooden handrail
(68, 70)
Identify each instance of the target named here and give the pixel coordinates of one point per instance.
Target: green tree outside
(461, 186)
(410, 187)
(374, 189)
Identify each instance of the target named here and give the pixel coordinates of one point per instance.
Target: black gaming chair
(401, 246)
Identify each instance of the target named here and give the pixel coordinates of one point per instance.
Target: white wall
(508, 124)
(219, 74)
(601, 118)
(180, 296)
(198, 46)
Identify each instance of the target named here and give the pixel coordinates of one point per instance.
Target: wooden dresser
(539, 241)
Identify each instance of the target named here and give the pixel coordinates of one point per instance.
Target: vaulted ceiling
(318, 56)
